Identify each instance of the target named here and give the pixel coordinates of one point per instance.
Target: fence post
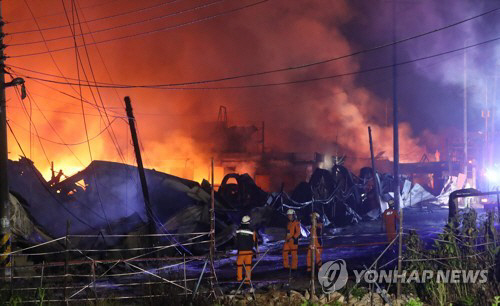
(93, 281)
(66, 259)
(185, 281)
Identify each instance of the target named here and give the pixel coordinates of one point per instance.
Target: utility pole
(140, 167)
(486, 115)
(466, 155)
(495, 95)
(396, 145)
(4, 185)
(374, 171)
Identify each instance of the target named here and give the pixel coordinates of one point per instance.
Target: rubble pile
(106, 199)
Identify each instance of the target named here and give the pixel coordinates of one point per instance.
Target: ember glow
(304, 117)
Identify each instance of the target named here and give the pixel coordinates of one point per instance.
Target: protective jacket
(246, 239)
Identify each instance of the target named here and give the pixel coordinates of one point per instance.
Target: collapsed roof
(106, 198)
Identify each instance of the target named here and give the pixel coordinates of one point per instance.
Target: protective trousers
(390, 216)
(290, 247)
(244, 259)
(318, 252)
(391, 234)
(390, 229)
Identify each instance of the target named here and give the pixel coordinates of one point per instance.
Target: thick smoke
(306, 117)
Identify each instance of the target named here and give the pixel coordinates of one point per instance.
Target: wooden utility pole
(140, 167)
(4, 185)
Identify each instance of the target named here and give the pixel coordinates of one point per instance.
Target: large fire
(309, 117)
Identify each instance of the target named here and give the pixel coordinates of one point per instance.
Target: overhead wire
(377, 82)
(100, 3)
(176, 86)
(163, 29)
(113, 137)
(64, 112)
(77, 55)
(32, 167)
(31, 123)
(66, 143)
(301, 66)
(89, 62)
(82, 35)
(48, 49)
(83, 113)
(124, 156)
(100, 18)
(68, 95)
(55, 131)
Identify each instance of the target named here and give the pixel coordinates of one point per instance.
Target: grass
(463, 245)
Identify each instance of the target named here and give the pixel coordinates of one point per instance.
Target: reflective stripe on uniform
(246, 232)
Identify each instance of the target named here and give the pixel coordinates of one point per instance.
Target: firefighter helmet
(391, 202)
(245, 219)
(290, 212)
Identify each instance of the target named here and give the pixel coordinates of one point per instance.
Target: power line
(43, 150)
(101, 3)
(308, 80)
(111, 132)
(47, 46)
(43, 183)
(65, 143)
(301, 66)
(78, 58)
(377, 82)
(54, 129)
(32, 124)
(97, 19)
(64, 112)
(82, 35)
(66, 94)
(32, 101)
(227, 12)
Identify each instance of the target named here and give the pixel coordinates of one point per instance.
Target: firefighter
(390, 217)
(316, 242)
(291, 244)
(246, 240)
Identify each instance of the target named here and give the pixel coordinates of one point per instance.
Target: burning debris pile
(105, 199)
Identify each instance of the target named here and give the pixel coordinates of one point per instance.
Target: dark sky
(193, 40)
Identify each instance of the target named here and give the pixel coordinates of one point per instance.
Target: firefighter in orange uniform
(291, 244)
(390, 217)
(246, 240)
(316, 243)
